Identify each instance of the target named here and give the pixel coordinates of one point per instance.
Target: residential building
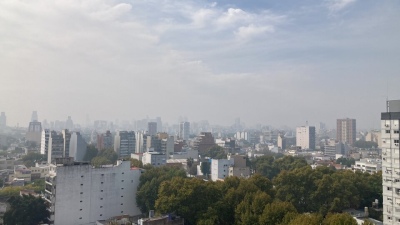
(105, 141)
(369, 165)
(21, 172)
(86, 194)
(184, 131)
(305, 137)
(391, 162)
(67, 138)
(69, 124)
(44, 143)
(152, 128)
(9, 163)
(154, 158)
(220, 168)
(239, 168)
(124, 143)
(333, 149)
(55, 146)
(77, 147)
(204, 142)
(346, 131)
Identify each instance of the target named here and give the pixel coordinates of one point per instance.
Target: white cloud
(337, 5)
(247, 32)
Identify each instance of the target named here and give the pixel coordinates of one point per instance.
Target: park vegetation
(284, 191)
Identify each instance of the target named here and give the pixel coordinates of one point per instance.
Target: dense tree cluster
(26, 210)
(102, 157)
(31, 158)
(297, 194)
(346, 162)
(216, 152)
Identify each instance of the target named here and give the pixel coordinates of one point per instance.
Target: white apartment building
(184, 130)
(81, 194)
(44, 144)
(77, 147)
(220, 168)
(305, 137)
(391, 163)
(154, 158)
(368, 165)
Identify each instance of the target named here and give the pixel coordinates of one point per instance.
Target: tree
(339, 219)
(307, 219)
(136, 163)
(216, 152)
(368, 222)
(275, 212)
(149, 184)
(31, 158)
(26, 210)
(205, 168)
(91, 152)
(345, 161)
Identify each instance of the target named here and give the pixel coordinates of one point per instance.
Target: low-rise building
(368, 165)
(154, 158)
(21, 172)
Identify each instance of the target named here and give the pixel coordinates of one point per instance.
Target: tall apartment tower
(124, 143)
(184, 130)
(346, 131)
(44, 143)
(152, 128)
(3, 120)
(305, 137)
(77, 147)
(55, 146)
(390, 121)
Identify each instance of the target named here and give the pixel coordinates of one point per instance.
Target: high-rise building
(390, 126)
(105, 141)
(44, 143)
(346, 131)
(184, 130)
(77, 147)
(34, 133)
(56, 146)
(3, 120)
(34, 116)
(204, 142)
(305, 137)
(67, 138)
(82, 194)
(152, 128)
(124, 143)
(69, 124)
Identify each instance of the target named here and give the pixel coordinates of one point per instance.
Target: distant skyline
(269, 62)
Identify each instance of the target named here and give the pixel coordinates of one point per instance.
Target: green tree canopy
(26, 210)
(216, 152)
(31, 158)
(339, 219)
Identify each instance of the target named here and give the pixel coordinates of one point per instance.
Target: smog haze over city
(269, 62)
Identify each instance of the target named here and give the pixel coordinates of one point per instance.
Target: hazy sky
(270, 62)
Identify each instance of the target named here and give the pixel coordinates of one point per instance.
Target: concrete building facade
(124, 143)
(77, 147)
(184, 131)
(305, 137)
(346, 131)
(390, 121)
(81, 194)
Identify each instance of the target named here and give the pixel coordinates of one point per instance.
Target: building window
(80, 210)
(388, 131)
(122, 188)
(102, 174)
(122, 211)
(81, 192)
(81, 184)
(101, 198)
(101, 214)
(80, 201)
(101, 190)
(122, 203)
(396, 141)
(81, 175)
(101, 206)
(80, 218)
(122, 196)
(122, 180)
(102, 182)
(396, 131)
(123, 173)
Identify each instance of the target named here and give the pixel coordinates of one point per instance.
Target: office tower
(152, 128)
(105, 141)
(346, 131)
(81, 194)
(77, 147)
(3, 120)
(305, 137)
(184, 131)
(44, 143)
(124, 143)
(34, 133)
(34, 116)
(56, 146)
(69, 124)
(390, 121)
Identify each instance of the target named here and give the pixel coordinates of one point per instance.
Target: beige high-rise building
(346, 131)
(305, 137)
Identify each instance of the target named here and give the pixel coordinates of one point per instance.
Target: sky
(268, 62)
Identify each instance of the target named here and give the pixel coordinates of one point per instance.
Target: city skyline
(271, 63)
